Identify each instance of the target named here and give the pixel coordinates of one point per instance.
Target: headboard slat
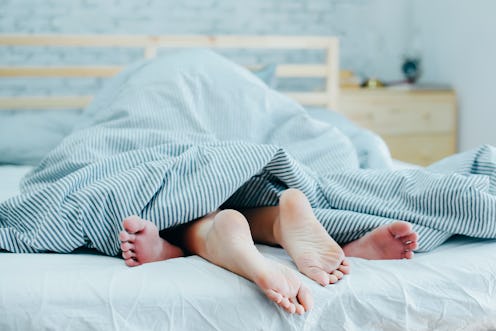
(227, 41)
(78, 102)
(283, 70)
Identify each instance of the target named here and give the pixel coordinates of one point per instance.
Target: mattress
(450, 288)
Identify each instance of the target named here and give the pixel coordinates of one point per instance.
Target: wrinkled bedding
(175, 138)
(89, 291)
(372, 152)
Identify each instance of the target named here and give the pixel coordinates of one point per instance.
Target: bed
(450, 288)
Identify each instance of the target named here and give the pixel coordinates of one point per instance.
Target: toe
(292, 307)
(333, 279)
(338, 274)
(123, 235)
(273, 295)
(127, 246)
(128, 254)
(132, 263)
(285, 303)
(400, 228)
(305, 298)
(345, 269)
(411, 246)
(133, 224)
(318, 275)
(413, 237)
(408, 255)
(300, 310)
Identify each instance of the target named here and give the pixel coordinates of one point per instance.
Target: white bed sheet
(451, 288)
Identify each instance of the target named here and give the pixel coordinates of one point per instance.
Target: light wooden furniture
(329, 70)
(419, 126)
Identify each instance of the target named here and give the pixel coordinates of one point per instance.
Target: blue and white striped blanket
(178, 137)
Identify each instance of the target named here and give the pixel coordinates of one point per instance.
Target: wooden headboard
(329, 70)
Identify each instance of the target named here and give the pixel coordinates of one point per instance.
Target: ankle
(170, 251)
(276, 230)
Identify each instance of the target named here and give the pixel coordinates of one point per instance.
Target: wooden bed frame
(329, 70)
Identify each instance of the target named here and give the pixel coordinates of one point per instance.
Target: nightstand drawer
(400, 112)
(420, 149)
(418, 126)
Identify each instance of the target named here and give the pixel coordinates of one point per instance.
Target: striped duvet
(175, 138)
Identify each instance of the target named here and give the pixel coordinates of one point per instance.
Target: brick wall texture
(373, 33)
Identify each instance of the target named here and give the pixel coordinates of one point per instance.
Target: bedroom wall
(456, 41)
(375, 34)
(372, 31)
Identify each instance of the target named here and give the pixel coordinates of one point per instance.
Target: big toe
(305, 298)
(133, 224)
(400, 229)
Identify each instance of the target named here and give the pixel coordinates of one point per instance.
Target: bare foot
(297, 230)
(229, 244)
(391, 241)
(141, 243)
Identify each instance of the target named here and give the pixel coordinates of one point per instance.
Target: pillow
(27, 136)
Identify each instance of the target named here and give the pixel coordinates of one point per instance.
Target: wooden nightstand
(419, 126)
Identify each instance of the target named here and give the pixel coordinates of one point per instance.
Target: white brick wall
(373, 32)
